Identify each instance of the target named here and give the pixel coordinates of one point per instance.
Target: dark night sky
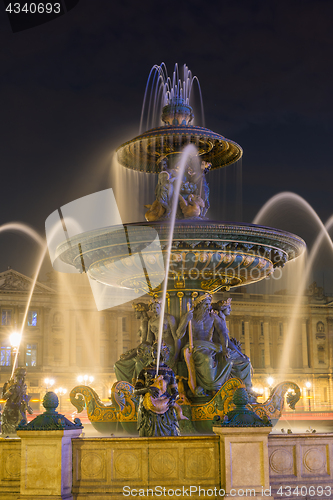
(72, 90)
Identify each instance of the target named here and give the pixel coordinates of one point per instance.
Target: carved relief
(92, 466)
(164, 464)
(57, 319)
(314, 461)
(198, 463)
(127, 464)
(13, 465)
(281, 461)
(320, 331)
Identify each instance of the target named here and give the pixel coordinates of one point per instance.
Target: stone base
(254, 497)
(244, 461)
(48, 497)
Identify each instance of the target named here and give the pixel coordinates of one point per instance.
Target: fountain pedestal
(46, 454)
(46, 464)
(244, 461)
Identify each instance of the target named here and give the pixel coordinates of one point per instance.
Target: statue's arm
(177, 341)
(173, 390)
(220, 326)
(184, 321)
(140, 388)
(129, 354)
(150, 338)
(143, 331)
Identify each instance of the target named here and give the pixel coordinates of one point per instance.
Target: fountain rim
(258, 231)
(183, 130)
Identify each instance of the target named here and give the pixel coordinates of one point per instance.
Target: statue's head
(203, 302)
(164, 163)
(20, 374)
(224, 306)
(163, 176)
(155, 306)
(141, 309)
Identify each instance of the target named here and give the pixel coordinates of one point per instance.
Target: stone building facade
(64, 337)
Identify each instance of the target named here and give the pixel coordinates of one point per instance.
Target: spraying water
(323, 234)
(188, 151)
(162, 90)
(25, 229)
(39, 265)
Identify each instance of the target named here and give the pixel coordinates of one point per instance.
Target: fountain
(205, 257)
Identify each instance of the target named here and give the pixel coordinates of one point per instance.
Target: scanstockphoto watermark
(230, 274)
(183, 492)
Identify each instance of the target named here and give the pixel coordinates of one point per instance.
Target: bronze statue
(241, 364)
(169, 335)
(158, 393)
(192, 207)
(207, 355)
(131, 362)
(163, 192)
(17, 402)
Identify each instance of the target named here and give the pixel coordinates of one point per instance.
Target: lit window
(32, 318)
(6, 317)
(5, 356)
(31, 355)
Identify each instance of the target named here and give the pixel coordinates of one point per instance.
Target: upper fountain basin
(146, 152)
(205, 255)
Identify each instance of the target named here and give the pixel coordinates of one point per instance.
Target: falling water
(188, 151)
(25, 229)
(39, 265)
(272, 204)
(133, 190)
(225, 186)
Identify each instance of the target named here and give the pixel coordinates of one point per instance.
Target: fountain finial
(177, 112)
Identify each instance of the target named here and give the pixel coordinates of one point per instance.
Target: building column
(97, 337)
(286, 353)
(72, 338)
(247, 337)
(330, 342)
(120, 346)
(305, 355)
(266, 344)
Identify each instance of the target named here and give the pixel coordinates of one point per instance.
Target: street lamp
(60, 391)
(308, 386)
(49, 382)
(85, 379)
(15, 340)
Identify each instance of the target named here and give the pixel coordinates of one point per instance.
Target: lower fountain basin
(205, 256)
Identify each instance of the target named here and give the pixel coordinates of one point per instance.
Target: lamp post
(308, 387)
(60, 391)
(49, 382)
(15, 340)
(85, 379)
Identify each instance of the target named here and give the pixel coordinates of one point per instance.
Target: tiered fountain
(206, 256)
